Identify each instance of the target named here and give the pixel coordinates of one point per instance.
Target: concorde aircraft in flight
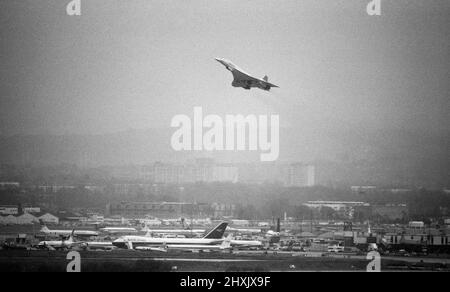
(243, 79)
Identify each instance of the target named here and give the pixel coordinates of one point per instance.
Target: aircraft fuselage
(243, 79)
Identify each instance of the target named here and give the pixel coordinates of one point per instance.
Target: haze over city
(353, 88)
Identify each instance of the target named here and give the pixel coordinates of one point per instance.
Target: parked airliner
(66, 233)
(214, 237)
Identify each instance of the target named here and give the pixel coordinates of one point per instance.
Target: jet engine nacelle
(264, 86)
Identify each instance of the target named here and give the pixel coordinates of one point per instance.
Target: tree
(302, 212)
(247, 212)
(327, 213)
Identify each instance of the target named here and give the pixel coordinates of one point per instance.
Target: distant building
(162, 210)
(299, 175)
(9, 210)
(207, 170)
(225, 173)
(167, 173)
(416, 224)
(335, 205)
(49, 219)
(151, 222)
(32, 210)
(258, 173)
(54, 188)
(128, 172)
(391, 211)
(363, 189)
(7, 220)
(130, 188)
(9, 185)
(146, 173)
(399, 191)
(24, 219)
(95, 188)
(223, 210)
(236, 222)
(17, 209)
(202, 170)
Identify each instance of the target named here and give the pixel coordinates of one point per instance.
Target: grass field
(132, 261)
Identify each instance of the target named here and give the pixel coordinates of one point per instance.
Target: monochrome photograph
(225, 136)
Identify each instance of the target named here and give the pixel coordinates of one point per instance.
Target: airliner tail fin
(217, 232)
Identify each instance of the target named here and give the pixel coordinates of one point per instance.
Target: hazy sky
(137, 63)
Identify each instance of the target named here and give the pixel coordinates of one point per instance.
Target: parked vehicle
(335, 248)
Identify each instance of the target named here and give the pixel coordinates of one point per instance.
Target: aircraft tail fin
(217, 232)
(265, 78)
(226, 243)
(130, 245)
(44, 228)
(71, 239)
